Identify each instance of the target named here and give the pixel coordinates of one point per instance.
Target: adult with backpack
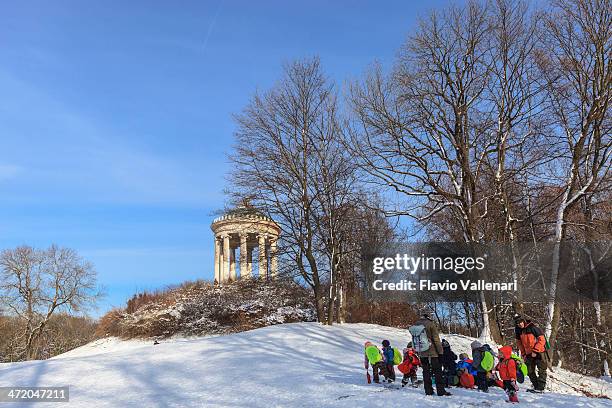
(426, 342)
(532, 345)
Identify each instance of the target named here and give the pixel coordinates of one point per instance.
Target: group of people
(441, 368)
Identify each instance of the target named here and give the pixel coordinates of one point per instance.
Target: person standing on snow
(507, 372)
(532, 345)
(388, 354)
(448, 360)
(426, 341)
(410, 363)
(374, 357)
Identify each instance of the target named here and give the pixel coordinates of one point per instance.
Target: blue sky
(116, 117)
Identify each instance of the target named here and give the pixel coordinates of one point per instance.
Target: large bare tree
(516, 101)
(423, 130)
(289, 161)
(576, 66)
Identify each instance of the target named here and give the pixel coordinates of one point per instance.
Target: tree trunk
(320, 305)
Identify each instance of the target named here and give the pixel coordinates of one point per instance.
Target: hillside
(296, 365)
(201, 308)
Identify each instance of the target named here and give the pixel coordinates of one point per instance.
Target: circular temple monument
(245, 229)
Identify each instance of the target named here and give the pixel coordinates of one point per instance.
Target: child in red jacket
(507, 372)
(409, 366)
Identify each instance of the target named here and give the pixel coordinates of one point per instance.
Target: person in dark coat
(448, 362)
(532, 345)
(430, 358)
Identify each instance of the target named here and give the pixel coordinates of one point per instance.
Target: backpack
(373, 354)
(420, 341)
(520, 377)
(521, 368)
(487, 361)
(405, 367)
(397, 356)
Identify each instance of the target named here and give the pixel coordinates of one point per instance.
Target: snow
(286, 365)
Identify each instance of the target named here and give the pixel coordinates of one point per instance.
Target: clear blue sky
(115, 117)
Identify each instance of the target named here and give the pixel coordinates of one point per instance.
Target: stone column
(232, 270)
(244, 269)
(226, 258)
(217, 261)
(273, 259)
(249, 261)
(220, 261)
(263, 259)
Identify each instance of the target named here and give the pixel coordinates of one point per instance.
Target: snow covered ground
(288, 365)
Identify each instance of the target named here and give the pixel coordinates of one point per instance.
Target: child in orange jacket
(507, 372)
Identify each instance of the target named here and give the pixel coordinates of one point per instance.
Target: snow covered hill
(288, 365)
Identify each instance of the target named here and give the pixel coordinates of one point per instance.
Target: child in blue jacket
(388, 355)
(466, 363)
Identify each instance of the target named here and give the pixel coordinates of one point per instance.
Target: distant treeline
(63, 333)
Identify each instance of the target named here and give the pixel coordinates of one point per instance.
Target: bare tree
(36, 284)
(519, 121)
(335, 184)
(289, 162)
(423, 131)
(576, 68)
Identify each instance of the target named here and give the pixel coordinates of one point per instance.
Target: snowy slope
(294, 365)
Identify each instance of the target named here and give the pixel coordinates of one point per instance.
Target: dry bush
(395, 314)
(11, 342)
(110, 324)
(142, 299)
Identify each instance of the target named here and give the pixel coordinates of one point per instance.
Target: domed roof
(243, 211)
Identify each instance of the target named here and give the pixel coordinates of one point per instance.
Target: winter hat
(476, 345)
(518, 318)
(409, 345)
(463, 356)
(386, 343)
(368, 343)
(445, 343)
